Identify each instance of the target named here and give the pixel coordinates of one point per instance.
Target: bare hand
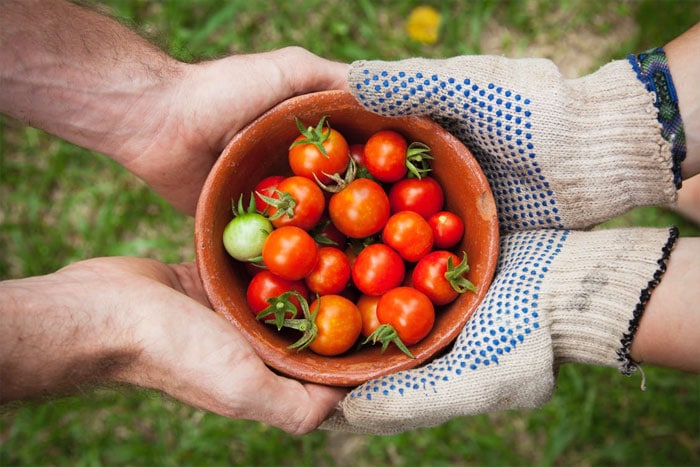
(145, 323)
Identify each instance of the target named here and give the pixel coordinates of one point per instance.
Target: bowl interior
(261, 150)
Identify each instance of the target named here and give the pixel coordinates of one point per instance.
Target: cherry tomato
(360, 209)
(357, 153)
(424, 196)
(448, 229)
(429, 277)
(331, 273)
(254, 268)
(245, 235)
(265, 285)
(351, 251)
(409, 234)
(385, 156)
(377, 269)
(307, 159)
(327, 234)
(266, 187)
(297, 201)
(290, 252)
(409, 311)
(367, 304)
(339, 325)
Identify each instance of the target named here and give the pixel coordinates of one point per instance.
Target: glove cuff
(598, 293)
(614, 157)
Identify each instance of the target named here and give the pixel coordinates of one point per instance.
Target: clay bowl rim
(218, 271)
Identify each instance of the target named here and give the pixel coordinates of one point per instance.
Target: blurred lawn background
(60, 203)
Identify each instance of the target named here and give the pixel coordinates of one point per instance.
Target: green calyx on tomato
(283, 204)
(339, 182)
(306, 324)
(386, 334)
(245, 234)
(418, 159)
(314, 136)
(280, 307)
(326, 234)
(455, 275)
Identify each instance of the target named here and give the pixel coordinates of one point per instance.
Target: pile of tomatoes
(354, 242)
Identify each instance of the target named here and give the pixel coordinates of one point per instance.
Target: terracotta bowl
(261, 150)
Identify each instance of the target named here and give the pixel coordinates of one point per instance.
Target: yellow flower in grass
(424, 24)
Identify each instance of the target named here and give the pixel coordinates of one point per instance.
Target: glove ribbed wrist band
(597, 295)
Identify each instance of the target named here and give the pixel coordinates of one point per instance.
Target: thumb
(301, 71)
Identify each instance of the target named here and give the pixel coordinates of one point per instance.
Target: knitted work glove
(559, 153)
(559, 296)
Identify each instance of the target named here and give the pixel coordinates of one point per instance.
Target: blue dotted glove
(559, 296)
(559, 155)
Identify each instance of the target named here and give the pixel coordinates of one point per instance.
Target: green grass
(59, 204)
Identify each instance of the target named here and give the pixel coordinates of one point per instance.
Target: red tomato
(360, 209)
(424, 196)
(367, 304)
(326, 233)
(306, 158)
(253, 268)
(331, 273)
(266, 285)
(351, 251)
(266, 187)
(339, 325)
(357, 153)
(385, 156)
(409, 234)
(377, 269)
(429, 277)
(299, 202)
(448, 229)
(290, 252)
(409, 311)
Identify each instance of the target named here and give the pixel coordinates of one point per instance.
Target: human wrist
(599, 292)
(670, 326)
(54, 340)
(684, 65)
(96, 84)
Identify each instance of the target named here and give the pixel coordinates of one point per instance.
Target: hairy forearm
(81, 76)
(684, 63)
(669, 331)
(53, 341)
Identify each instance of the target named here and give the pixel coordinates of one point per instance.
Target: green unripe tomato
(245, 234)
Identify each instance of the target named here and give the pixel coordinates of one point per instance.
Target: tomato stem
(284, 204)
(314, 136)
(239, 210)
(386, 334)
(279, 307)
(455, 275)
(339, 183)
(307, 324)
(418, 159)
